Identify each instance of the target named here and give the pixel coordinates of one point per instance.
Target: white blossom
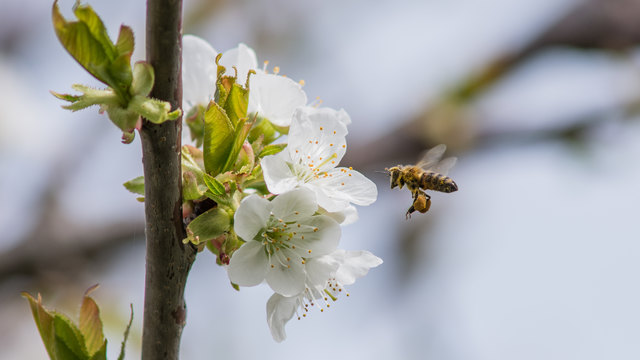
(271, 96)
(281, 236)
(326, 277)
(317, 143)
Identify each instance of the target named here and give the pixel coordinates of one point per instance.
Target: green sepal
(271, 149)
(136, 185)
(208, 225)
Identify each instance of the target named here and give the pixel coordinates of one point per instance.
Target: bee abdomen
(437, 182)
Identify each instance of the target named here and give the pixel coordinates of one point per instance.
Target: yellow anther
(276, 69)
(301, 82)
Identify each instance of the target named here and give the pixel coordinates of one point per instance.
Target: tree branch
(168, 259)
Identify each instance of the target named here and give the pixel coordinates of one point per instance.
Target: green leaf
(125, 42)
(214, 185)
(90, 324)
(87, 42)
(126, 335)
(265, 129)
(69, 335)
(143, 79)
(154, 110)
(271, 149)
(209, 225)
(218, 139)
(44, 322)
(136, 185)
(239, 137)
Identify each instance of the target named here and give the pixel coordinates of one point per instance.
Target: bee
(429, 174)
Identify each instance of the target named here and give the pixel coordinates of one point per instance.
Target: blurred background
(537, 255)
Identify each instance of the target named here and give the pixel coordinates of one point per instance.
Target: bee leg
(409, 212)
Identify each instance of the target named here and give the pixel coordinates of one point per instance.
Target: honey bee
(429, 174)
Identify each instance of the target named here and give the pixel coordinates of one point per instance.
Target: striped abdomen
(437, 182)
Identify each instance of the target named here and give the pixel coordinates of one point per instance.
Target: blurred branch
(67, 252)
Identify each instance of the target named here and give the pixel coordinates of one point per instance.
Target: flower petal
(248, 265)
(347, 185)
(317, 138)
(319, 270)
(251, 216)
(319, 235)
(280, 310)
(344, 217)
(285, 274)
(243, 58)
(275, 97)
(277, 174)
(355, 264)
(294, 205)
(199, 72)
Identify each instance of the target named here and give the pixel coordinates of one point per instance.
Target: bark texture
(168, 260)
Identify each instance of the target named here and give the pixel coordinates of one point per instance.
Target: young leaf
(218, 139)
(91, 325)
(44, 322)
(69, 339)
(214, 185)
(136, 185)
(87, 42)
(209, 225)
(240, 134)
(236, 103)
(272, 149)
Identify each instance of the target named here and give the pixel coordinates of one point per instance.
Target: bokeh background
(537, 255)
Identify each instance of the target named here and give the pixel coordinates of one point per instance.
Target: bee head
(395, 174)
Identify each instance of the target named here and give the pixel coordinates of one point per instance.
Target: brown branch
(168, 259)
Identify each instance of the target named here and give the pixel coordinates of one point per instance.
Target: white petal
(277, 174)
(344, 217)
(199, 72)
(275, 97)
(243, 58)
(317, 138)
(280, 310)
(319, 270)
(347, 185)
(355, 264)
(251, 216)
(248, 265)
(295, 204)
(319, 235)
(285, 274)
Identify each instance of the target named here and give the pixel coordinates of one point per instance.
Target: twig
(168, 259)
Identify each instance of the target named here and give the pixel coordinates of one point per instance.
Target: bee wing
(432, 156)
(445, 165)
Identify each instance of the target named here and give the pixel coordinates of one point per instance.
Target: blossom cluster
(280, 203)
